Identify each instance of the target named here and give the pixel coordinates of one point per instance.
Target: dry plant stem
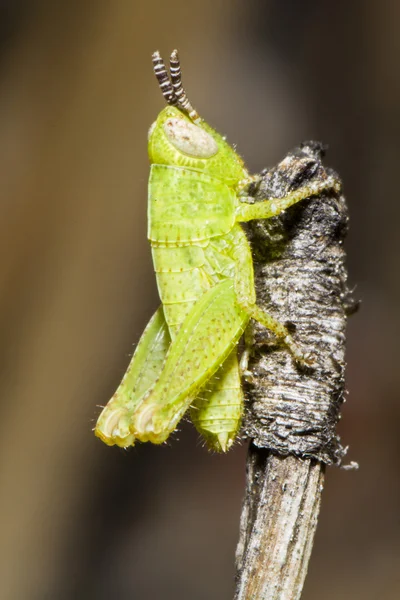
(278, 523)
(292, 412)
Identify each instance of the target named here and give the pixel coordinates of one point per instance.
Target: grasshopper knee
(113, 427)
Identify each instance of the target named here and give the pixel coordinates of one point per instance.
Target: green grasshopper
(187, 355)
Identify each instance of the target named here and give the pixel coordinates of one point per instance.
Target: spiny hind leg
(112, 426)
(205, 340)
(217, 411)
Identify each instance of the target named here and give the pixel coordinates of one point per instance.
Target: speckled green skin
(187, 356)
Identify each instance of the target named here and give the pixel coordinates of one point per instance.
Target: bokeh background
(77, 95)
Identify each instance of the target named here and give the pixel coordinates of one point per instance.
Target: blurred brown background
(77, 95)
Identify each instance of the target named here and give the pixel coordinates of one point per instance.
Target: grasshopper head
(180, 138)
(177, 141)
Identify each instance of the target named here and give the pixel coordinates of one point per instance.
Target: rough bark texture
(293, 411)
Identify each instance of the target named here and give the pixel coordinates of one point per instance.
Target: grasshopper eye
(190, 139)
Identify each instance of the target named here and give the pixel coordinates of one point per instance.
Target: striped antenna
(171, 83)
(176, 79)
(163, 79)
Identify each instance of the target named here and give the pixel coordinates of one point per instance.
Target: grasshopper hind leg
(113, 424)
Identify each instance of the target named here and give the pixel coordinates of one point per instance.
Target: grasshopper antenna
(163, 79)
(171, 84)
(176, 79)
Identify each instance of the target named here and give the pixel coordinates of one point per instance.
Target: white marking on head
(190, 139)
